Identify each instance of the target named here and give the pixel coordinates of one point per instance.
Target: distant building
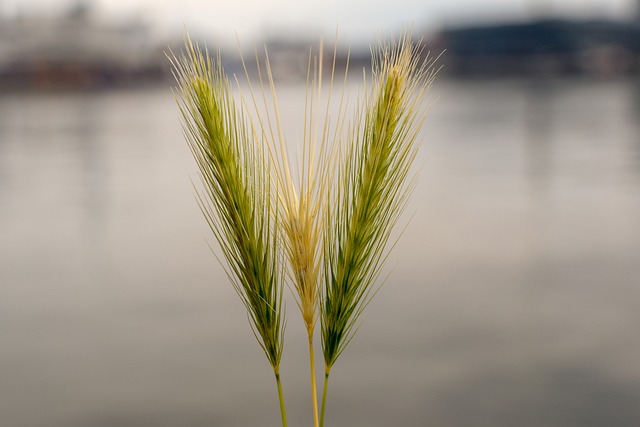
(543, 47)
(74, 50)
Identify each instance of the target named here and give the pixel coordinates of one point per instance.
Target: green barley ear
(236, 198)
(371, 191)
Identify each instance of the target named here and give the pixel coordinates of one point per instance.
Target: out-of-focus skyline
(357, 20)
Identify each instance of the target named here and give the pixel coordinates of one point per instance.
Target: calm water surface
(513, 299)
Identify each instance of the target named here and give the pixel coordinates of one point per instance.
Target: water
(513, 298)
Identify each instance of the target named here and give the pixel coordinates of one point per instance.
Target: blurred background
(513, 297)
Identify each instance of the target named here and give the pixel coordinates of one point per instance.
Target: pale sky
(355, 19)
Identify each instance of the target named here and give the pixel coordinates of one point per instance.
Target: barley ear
(372, 189)
(235, 197)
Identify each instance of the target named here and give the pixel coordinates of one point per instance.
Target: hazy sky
(356, 19)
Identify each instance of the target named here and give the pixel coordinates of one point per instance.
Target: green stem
(283, 413)
(324, 397)
(314, 394)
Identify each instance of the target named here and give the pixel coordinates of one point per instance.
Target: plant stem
(314, 394)
(324, 397)
(283, 412)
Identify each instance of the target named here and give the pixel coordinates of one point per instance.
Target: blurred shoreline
(77, 51)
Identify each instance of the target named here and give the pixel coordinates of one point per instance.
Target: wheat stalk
(334, 233)
(371, 191)
(236, 200)
(302, 196)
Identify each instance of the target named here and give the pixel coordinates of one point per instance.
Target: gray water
(513, 297)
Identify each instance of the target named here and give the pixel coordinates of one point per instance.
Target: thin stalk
(283, 412)
(300, 206)
(314, 394)
(324, 397)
